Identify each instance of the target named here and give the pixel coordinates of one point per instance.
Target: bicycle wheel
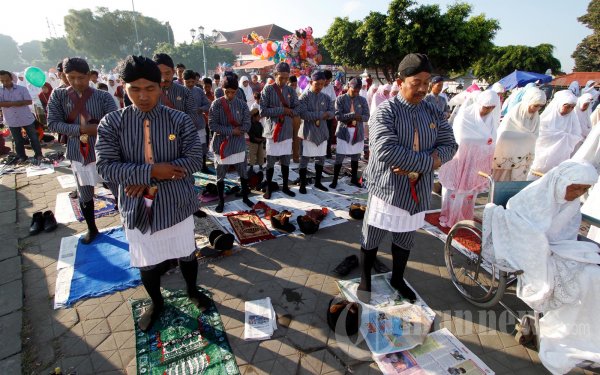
(470, 274)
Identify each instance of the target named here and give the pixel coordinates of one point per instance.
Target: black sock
(367, 258)
(189, 270)
(151, 281)
(400, 259)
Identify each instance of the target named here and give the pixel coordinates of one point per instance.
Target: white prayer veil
(470, 126)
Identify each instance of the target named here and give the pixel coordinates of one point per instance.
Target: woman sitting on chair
(537, 233)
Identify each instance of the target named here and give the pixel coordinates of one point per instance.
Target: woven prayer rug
(248, 227)
(103, 205)
(183, 341)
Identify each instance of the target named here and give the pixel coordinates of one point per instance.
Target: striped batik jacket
(343, 114)
(60, 106)
(271, 108)
(312, 106)
(219, 124)
(202, 105)
(120, 159)
(182, 100)
(391, 137)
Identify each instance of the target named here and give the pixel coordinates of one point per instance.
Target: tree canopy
(102, 34)
(453, 40)
(191, 55)
(587, 53)
(10, 58)
(501, 61)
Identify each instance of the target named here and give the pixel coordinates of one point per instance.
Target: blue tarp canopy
(520, 78)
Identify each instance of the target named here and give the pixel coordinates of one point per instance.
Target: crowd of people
(146, 130)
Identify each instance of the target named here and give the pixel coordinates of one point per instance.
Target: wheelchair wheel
(467, 271)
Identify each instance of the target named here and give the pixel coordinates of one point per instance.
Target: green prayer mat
(183, 341)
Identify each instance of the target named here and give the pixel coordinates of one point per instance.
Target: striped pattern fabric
(344, 113)
(202, 104)
(182, 100)
(120, 159)
(271, 108)
(391, 133)
(438, 101)
(218, 123)
(60, 106)
(312, 106)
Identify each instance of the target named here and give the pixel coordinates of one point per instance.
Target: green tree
(501, 61)
(191, 55)
(31, 51)
(587, 53)
(453, 40)
(10, 58)
(56, 49)
(104, 35)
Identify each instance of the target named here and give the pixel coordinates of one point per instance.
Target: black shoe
(89, 236)
(49, 221)
(73, 194)
(220, 206)
(318, 185)
(37, 223)
(200, 214)
(379, 267)
(347, 265)
(149, 317)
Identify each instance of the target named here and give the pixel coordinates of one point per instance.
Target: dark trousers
(20, 141)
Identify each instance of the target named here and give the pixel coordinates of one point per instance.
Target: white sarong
(311, 150)
(86, 175)
(344, 148)
(392, 218)
(279, 148)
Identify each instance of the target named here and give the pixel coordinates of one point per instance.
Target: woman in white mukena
(517, 134)
(537, 233)
(559, 133)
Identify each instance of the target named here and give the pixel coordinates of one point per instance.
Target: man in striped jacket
(316, 108)
(351, 112)
(151, 151)
(409, 139)
(278, 104)
(203, 105)
(229, 119)
(76, 111)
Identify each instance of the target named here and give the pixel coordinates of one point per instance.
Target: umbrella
(520, 78)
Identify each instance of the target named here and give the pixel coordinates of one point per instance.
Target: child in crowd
(256, 147)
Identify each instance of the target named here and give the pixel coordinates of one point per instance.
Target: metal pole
(204, 56)
(137, 38)
(168, 32)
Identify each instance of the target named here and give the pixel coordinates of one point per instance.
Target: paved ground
(96, 336)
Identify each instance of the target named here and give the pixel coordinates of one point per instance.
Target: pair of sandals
(219, 241)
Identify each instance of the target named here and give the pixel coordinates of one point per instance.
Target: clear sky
(528, 22)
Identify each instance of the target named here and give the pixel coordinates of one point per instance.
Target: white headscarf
(519, 119)
(380, 97)
(247, 91)
(371, 93)
(589, 88)
(574, 88)
(584, 116)
(558, 134)
(470, 126)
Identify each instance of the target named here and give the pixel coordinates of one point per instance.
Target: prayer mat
(103, 205)
(184, 340)
(248, 227)
(94, 270)
(465, 238)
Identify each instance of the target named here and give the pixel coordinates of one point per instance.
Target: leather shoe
(37, 223)
(49, 221)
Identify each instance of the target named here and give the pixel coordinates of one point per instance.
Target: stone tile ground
(96, 336)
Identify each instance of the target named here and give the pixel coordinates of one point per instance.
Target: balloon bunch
(299, 50)
(252, 39)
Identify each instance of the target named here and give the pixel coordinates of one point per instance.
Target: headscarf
(519, 119)
(515, 97)
(574, 88)
(395, 89)
(552, 120)
(470, 126)
(372, 90)
(584, 116)
(380, 96)
(44, 97)
(247, 91)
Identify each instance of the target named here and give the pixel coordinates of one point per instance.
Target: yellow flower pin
(172, 137)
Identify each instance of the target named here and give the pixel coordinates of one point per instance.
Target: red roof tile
(581, 77)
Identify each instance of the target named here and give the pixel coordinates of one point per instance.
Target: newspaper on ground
(389, 323)
(441, 353)
(261, 320)
(39, 170)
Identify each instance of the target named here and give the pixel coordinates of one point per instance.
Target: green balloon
(35, 76)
